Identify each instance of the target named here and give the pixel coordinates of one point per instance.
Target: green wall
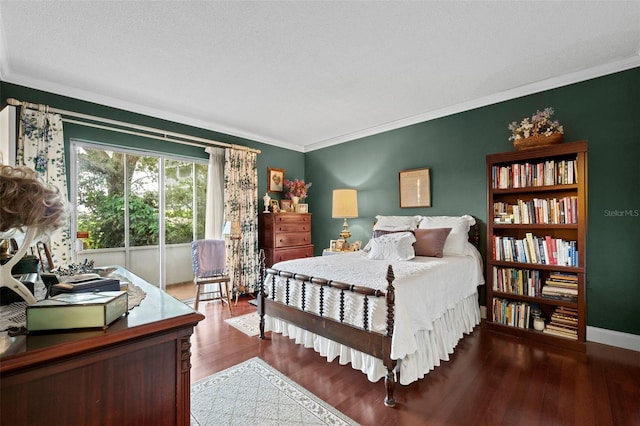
(270, 156)
(604, 111)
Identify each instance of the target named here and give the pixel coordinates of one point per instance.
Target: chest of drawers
(285, 236)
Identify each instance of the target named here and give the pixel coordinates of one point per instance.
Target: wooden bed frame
(362, 339)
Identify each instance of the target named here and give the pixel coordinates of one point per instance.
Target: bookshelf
(536, 243)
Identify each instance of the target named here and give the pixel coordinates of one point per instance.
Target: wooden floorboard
(491, 379)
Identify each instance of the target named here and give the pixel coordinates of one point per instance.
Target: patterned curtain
(41, 147)
(241, 203)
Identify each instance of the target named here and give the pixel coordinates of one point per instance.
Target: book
(77, 310)
(86, 285)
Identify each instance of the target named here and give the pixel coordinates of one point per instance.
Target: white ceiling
(304, 75)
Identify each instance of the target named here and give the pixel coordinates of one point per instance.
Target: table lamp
(345, 205)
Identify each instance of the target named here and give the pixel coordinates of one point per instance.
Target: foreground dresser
(137, 372)
(285, 236)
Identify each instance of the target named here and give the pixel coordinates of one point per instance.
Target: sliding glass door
(137, 209)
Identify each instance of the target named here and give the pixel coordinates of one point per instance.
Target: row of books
(563, 323)
(561, 286)
(532, 249)
(538, 210)
(526, 282)
(563, 172)
(509, 312)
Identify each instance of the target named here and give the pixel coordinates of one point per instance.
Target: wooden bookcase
(525, 216)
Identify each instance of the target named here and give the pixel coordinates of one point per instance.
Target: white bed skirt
(433, 345)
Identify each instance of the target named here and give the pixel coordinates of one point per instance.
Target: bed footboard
(359, 338)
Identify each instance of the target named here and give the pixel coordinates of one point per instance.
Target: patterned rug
(249, 323)
(253, 393)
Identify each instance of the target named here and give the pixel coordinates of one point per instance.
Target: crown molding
(86, 96)
(537, 87)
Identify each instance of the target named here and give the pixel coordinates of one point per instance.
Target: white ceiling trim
(87, 96)
(525, 90)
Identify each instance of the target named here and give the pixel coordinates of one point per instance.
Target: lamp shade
(345, 203)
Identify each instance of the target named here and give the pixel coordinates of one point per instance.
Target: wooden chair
(209, 267)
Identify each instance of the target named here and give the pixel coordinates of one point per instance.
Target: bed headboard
(474, 235)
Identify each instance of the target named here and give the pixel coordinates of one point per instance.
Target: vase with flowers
(296, 190)
(539, 130)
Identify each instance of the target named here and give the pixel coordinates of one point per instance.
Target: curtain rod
(159, 134)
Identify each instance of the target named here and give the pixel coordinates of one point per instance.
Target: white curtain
(241, 204)
(41, 147)
(214, 219)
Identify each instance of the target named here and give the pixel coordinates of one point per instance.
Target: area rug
(254, 393)
(249, 324)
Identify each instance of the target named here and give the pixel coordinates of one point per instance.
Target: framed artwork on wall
(286, 205)
(275, 179)
(415, 188)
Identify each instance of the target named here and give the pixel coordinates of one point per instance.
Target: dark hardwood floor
(490, 380)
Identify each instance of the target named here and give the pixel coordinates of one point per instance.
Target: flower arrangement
(296, 188)
(539, 124)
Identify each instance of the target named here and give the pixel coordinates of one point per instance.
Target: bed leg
(390, 384)
(261, 313)
(260, 304)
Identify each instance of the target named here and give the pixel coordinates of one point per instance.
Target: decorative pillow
(459, 235)
(430, 242)
(395, 246)
(380, 232)
(396, 223)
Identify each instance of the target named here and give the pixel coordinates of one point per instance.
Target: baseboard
(601, 335)
(613, 338)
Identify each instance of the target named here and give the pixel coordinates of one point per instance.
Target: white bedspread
(428, 290)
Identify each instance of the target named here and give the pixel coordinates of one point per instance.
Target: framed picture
(414, 188)
(275, 179)
(303, 208)
(286, 206)
(333, 245)
(275, 206)
(355, 246)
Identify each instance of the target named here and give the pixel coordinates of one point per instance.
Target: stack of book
(561, 286)
(564, 323)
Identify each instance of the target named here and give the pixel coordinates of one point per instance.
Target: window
(132, 207)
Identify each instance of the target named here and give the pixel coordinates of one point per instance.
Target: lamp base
(345, 234)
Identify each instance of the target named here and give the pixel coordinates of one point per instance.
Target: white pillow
(459, 235)
(396, 223)
(396, 246)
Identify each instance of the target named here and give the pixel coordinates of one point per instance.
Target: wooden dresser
(285, 236)
(135, 372)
